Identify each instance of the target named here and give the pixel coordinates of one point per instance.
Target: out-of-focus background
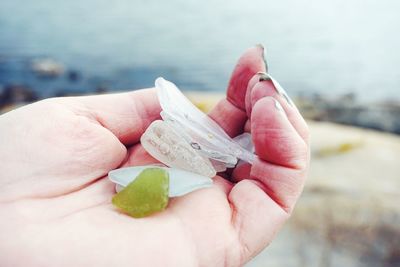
(339, 60)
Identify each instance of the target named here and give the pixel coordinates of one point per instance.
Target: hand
(55, 202)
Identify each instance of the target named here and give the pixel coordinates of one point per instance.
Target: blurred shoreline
(344, 109)
(380, 115)
(28, 79)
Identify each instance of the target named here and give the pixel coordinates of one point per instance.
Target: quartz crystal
(197, 129)
(244, 140)
(145, 195)
(164, 143)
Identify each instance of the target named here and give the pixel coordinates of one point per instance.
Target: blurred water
(331, 47)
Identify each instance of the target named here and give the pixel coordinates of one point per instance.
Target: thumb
(263, 202)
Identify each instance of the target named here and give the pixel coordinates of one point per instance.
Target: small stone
(147, 194)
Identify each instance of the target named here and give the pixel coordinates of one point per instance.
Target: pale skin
(55, 199)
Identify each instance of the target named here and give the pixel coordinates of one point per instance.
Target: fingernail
(263, 76)
(260, 46)
(266, 77)
(278, 105)
(264, 58)
(283, 93)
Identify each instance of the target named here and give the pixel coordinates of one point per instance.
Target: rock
(16, 95)
(73, 75)
(47, 67)
(383, 116)
(63, 93)
(101, 89)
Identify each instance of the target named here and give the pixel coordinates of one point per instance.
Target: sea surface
(324, 47)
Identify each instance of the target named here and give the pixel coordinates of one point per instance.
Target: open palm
(55, 203)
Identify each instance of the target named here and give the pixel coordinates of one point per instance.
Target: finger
(231, 118)
(241, 172)
(251, 62)
(264, 86)
(230, 113)
(274, 137)
(256, 217)
(282, 184)
(260, 85)
(274, 154)
(126, 115)
(262, 205)
(283, 154)
(253, 81)
(248, 105)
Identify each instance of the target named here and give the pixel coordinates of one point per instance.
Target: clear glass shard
(175, 104)
(118, 188)
(218, 165)
(181, 182)
(199, 140)
(164, 143)
(197, 127)
(245, 141)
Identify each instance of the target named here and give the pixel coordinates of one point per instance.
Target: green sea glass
(145, 195)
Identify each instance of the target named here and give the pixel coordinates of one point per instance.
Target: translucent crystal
(181, 182)
(145, 195)
(245, 141)
(198, 139)
(166, 145)
(218, 165)
(197, 128)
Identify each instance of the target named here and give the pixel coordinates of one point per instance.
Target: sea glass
(181, 182)
(165, 144)
(145, 195)
(245, 141)
(195, 127)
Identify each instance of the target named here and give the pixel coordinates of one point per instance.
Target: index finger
(230, 113)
